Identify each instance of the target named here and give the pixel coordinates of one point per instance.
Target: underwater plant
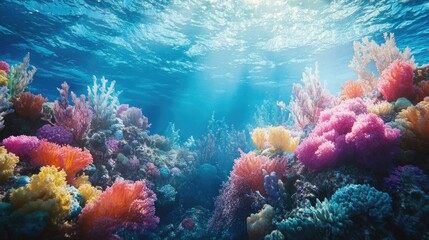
(123, 205)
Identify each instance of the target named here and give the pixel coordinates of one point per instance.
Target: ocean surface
(212, 125)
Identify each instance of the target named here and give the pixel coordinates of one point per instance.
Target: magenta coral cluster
(22, 146)
(4, 66)
(55, 134)
(349, 132)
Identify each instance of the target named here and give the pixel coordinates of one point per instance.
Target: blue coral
(271, 186)
(363, 199)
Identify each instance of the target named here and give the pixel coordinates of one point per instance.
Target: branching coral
(123, 205)
(104, 101)
(8, 163)
(20, 77)
(397, 81)
(70, 159)
(46, 192)
(311, 98)
(75, 119)
(28, 105)
(383, 55)
(4, 80)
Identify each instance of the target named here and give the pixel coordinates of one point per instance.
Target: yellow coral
(8, 163)
(45, 192)
(259, 224)
(281, 139)
(82, 179)
(259, 137)
(89, 193)
(4, 81)
(381, 109)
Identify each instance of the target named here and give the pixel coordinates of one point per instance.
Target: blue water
(180, 61)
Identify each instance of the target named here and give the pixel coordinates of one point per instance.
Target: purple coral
(75, 119)
(22, 146)
(132, 116)
(405, 178)
(347, 131)
(55, 134)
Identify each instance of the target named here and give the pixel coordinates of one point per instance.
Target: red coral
(397, 81)
(28, 105)
(248, 171)
(123, 205)
(70, 159)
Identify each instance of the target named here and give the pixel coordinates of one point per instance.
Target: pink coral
(375, 143)
(5, 66)
(22, 146)
(349, 132)
(397, 81)
(123, 205)
(75, 119)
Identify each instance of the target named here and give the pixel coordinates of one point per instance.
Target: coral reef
(8, 163)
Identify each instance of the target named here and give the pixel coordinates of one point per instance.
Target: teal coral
(363, 199)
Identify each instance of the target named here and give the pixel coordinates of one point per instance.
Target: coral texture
(417, 121)
(397, 81)
(280, 139)
(5, 105)
(20, 77)
(347, 131)
(259, 136)
(351, 89)
(70, 159)
(55, 134)
(22, 146)
(123, 205)
(28, 105)
(46, 192)
(259, 224)
(8, 163)
(75, 119)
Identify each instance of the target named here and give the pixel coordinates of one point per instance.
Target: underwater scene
(214, 119)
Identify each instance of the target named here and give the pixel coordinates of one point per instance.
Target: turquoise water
(211, 78)
(175, 58)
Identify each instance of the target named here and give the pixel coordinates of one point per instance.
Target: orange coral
(70, 159)
(351, 89)
(248, 171)
(28, 105)
(124, 204)
(417, 118)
